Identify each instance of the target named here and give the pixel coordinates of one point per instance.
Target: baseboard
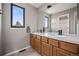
(8, 54)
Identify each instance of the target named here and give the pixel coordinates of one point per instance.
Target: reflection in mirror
(62, 16)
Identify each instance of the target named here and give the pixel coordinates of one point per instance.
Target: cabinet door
(45, 39)
(45, 49)
(53, 42)
(53, 50)
(32, 40)
(37, 45)
(61, 52)
(68, 46)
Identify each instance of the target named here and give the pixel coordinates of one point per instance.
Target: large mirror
(61, 16)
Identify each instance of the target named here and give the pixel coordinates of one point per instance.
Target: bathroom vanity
(52, 44)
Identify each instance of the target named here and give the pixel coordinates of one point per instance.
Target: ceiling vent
(49, 6)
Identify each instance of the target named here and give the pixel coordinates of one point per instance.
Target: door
(64, 23)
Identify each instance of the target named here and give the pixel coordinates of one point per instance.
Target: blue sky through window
(17, 15)
(46, 22)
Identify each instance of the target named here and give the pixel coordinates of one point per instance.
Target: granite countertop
(67, 38)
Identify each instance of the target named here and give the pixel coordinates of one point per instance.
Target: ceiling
(36, 5)
(56, 7)
(60, 7)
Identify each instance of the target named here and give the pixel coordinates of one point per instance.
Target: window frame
(47, 22)
(12, 26)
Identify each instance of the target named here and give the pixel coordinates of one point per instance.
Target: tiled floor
(28, 52)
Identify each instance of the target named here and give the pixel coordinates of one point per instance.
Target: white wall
(17, 38)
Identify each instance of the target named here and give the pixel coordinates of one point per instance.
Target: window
(46, 22)
(17, 16)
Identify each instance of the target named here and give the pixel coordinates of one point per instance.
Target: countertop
(71, 38)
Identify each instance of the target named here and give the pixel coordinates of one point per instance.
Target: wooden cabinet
(54, 52)
(45, 39)
(38, 44)
(50, 52)
(61, 52)
(35, 42)
(32, 43)
(68, 46)
(53, 47)
(53, 42)
(32, 40)
(45, 49)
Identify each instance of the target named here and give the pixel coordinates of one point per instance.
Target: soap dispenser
(60, 32)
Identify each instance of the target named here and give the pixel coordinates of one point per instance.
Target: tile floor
(28, 52)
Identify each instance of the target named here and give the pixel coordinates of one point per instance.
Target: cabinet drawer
(68, 46)
(61, 52)
(38, 37)
(45, 39)
(53, 42)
